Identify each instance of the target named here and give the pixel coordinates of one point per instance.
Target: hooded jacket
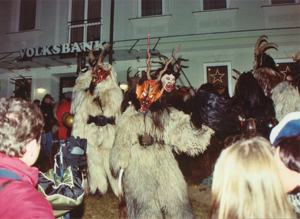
(20, 199)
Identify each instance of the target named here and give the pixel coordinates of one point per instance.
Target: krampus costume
(168, 80)
(286, 95)
(96, 105)
(147, 133)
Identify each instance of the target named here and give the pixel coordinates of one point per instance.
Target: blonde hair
(246, 183)
(20, 122)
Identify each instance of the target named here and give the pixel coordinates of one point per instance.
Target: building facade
(44, 40)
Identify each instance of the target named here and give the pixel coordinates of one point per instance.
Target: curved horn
(102, 54)
(236, 71)
(166, 66)
(128, 72)
(268, 46)
(91, 55)
(258, 43)
(148, 59)
(296, 56)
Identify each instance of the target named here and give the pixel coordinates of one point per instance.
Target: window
(214, 4)
(85, 24)
(277, 2)
(27, 15)
(151, 7)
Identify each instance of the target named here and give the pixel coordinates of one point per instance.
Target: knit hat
(289, 126)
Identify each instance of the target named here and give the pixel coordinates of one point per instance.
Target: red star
(217, 76)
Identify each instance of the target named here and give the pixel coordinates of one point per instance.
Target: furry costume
(153, 184)
(265, 69)
(91, 101)
(226, 115)
(286, 99)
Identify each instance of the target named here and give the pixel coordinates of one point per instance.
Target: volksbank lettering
(58, 49)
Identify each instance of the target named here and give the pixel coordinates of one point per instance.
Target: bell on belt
(67, 120)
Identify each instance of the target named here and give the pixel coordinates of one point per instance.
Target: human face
(168, 82)
(48, 100)
(289, 179)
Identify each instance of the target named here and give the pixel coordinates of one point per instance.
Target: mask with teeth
(147, 93)
(168, 81)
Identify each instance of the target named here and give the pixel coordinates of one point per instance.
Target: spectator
(286, 140)
(37, 102)
(47, 110)
(63, 111)
(21, 125)
(246, 183)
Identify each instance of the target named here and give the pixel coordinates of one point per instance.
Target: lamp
(41, 90)
(124, 86)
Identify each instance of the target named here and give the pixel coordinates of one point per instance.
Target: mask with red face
(99, 75)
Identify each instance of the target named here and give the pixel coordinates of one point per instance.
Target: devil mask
(168, 81)
(99, 74)
(147, 93)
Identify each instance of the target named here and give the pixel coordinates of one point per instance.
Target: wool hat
(48, 96)
(289, 126)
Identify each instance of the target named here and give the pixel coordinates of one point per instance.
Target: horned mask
(99, 72)
(149, 91)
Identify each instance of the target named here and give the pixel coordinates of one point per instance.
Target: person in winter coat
(21, 125)
(47, 110)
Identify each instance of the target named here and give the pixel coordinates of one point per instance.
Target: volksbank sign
(59, 49)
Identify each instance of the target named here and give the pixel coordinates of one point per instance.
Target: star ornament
(217, 76)
(287, 70)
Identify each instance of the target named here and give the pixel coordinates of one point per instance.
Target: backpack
(4, 173)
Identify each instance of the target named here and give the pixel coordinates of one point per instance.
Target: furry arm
(184, 137)
(126, 137)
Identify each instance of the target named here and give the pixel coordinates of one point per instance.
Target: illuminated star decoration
(287, 70)
(217, 76)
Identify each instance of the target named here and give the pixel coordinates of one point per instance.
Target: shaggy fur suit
(105, 100)
(153, 184)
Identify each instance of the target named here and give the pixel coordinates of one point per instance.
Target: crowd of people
(253, 177)
(256, 175)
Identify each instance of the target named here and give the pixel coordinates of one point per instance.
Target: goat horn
(166, 66)
(258, 43)
(128, 72)
(268, 46)
(148, 59)
(102, 54)
(296, 56)
(236, 71)
(91, 55)
(234, 78)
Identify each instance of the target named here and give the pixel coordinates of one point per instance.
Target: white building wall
(216, 36)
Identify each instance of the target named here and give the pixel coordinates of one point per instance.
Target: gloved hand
(74, 152)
